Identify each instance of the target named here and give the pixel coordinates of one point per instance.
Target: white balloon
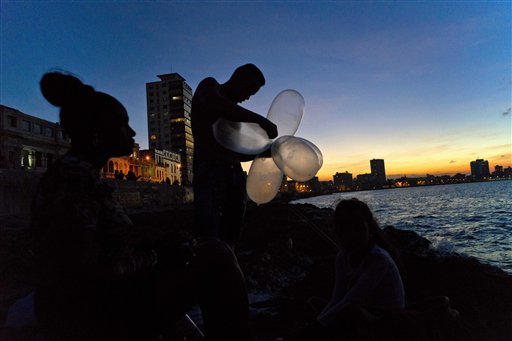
(241, 137)
(296, 157)
(286, 111)
(264, 180)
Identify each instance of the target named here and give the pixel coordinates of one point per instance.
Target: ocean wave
(443, 244)
(466, 218)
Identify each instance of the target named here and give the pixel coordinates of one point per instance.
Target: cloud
(506, 112)
(452, 161)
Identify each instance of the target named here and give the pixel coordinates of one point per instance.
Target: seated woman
(368, 285)
(95, 284)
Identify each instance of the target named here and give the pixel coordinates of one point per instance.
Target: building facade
(169, 127)
(167, 165)
(378, 171)
(480, 169)
(343, 181)
(28, 142)
(133, 162)
(365, 181)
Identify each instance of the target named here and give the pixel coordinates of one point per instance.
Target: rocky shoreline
(288, 259)
(481, 293)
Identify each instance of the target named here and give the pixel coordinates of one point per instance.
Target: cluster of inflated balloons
(292, 156)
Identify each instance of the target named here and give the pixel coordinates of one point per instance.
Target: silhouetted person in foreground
(96, 283)
(219, 181)
(368, 287)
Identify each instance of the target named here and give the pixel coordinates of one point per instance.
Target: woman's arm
(374, 268)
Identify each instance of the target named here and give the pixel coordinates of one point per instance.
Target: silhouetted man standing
(219, 182)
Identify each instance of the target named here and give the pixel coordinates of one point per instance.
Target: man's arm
(246, 157)
(209, 94)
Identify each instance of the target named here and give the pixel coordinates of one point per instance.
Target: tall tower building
(378, 171)
(479, 168)
(169, 103)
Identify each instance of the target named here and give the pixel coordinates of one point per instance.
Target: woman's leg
(222, 293)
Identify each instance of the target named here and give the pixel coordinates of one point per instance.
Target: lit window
(177, 98)
(153, 137)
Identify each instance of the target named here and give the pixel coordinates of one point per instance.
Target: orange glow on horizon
(411, 166)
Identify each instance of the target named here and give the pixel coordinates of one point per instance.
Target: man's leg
(234, 204)
(206, 201)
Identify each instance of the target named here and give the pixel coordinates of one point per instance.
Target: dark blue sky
(424, 85)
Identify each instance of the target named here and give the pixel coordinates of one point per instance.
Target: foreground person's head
(96, 122)
(245, 82)
(354, 224)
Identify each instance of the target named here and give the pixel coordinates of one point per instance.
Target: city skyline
(424, 86)
(398, 175)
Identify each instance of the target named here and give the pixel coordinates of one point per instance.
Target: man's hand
(269, 127)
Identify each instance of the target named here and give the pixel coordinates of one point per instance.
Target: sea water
(473, 219)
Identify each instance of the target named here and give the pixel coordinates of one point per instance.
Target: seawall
(17, 188)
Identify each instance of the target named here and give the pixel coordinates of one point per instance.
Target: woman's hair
(356, 209)
(84, 111)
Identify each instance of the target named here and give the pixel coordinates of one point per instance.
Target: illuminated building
(167, 164)
(28, 142)
(480, 169)
(168, 106)
(132, 162)
(378, 171)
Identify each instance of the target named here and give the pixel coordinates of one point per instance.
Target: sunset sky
(426, 86)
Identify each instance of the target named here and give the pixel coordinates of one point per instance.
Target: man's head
(245, 82)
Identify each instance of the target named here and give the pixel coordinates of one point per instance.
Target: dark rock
(286, 253)
(481, 293)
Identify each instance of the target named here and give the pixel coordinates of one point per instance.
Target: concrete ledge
(17, 188)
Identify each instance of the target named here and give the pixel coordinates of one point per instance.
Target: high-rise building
(378, 171)
(480, 168)
(169, 103)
